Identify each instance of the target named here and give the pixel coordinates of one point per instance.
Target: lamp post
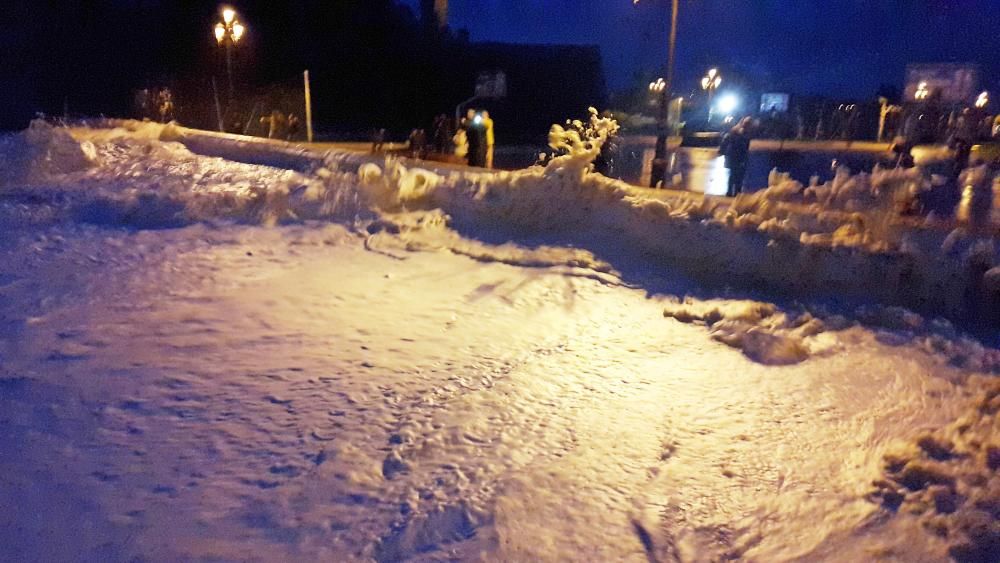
(228, 33)
(710, 83)
(660, 155)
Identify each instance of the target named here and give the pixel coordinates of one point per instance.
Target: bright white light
(728, 103)
(220, 32)
(228, 15)
(238, 30)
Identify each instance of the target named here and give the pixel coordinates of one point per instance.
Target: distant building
(948, 83)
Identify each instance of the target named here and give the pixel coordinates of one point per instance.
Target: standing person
(476, 135)
(293, 126)
(961, 142)
(378, 139)
(442, 137)
(903, 151)
(165, 104)
(490, 139)
(276, 123)
(736, 148)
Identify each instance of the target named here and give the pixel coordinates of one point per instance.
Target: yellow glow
(238, 30)
(228, 15)
(922, 91)
(712, 81)
(983, 100)
(220, 32)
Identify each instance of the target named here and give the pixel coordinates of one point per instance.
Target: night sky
(843, 48)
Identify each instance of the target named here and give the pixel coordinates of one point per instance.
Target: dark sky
(838, 47)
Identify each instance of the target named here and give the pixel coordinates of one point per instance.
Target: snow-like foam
(41, 152)
(947, 479)
(845, 237)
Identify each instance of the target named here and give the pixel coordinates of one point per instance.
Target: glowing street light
(983, 100)
(228, 33)
(657, 87)
(922, 91)
(710, 83)
(712, 80)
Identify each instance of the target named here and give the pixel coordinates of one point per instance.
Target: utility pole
(309, 108)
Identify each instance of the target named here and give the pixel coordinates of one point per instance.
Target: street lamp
(660, 155)
(922, 91)
(983, 100)
(657, 87)
(710, 83)
(228, 33)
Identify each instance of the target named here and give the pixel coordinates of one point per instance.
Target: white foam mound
(41, 152)
(129, 175)
(844, 237)
(762, 332)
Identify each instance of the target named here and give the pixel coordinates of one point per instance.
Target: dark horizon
(88, 57)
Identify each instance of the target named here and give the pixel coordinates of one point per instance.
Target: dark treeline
(373, 63)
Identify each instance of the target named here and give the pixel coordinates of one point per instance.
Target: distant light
(228, 15)
(238, 30)
(728, 103)
(922, 91)
(478, 119)
(712, 80)
(220, 32)
(983, 100)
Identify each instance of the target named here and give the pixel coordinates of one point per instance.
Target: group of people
(155, 104)
(476, 139)
(472, 139)
(281, 126)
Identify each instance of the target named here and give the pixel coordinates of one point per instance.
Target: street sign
(491, 85)
(773, 102)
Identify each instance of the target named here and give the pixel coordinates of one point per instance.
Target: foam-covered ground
(345, 359)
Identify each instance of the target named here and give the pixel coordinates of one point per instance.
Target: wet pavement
(703, 170)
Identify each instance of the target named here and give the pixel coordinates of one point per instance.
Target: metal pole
(309, 108)
(229, 67)
(218, 107)
(881, 119)
(660, 155)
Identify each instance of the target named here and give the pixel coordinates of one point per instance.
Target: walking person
(736, 149)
